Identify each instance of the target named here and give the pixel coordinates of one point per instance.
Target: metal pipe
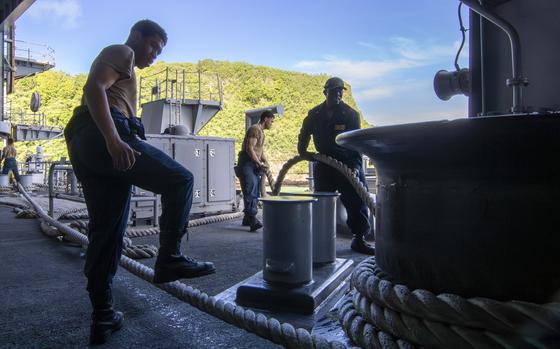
(482, 66)
(518, 81)
(54, 166)
(166, 80)
(220, 90)
(183, 85)
(176, 82)
(73, 181)
(199, 84)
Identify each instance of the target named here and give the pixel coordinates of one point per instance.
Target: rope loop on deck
(25, 214)
(352, 177)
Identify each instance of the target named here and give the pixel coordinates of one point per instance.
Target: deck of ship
(44, 303)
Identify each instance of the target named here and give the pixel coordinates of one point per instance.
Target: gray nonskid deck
(44, 303)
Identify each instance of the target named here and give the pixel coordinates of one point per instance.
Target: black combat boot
(103, 323)
(361, 246)
(171, 265)
(254, 223)
(246, 220)
(104, 319)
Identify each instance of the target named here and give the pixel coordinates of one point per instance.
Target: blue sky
(388, 51)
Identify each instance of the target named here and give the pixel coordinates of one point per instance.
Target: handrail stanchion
(166, 80)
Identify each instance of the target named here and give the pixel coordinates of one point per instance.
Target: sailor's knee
(187, 177)
(184, 181)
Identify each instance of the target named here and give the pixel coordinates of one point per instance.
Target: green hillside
(245, 87)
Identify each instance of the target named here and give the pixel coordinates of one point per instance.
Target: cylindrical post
(183, 87)
(157, 90)
(310, 181)
(51, 189)
(323, 226)
(287, 240)
(166, 80)
(220, 89)
(73, 182)
(176, 83)
(199, 85)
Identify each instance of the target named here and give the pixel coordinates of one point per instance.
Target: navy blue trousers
(250, 186)
(107, 192)
(328, 179)
(10, 164)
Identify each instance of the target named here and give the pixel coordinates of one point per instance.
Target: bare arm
(99, 80)
(251, 151)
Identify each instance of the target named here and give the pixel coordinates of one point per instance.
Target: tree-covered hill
(245, 87)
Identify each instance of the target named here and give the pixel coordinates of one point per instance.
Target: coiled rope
(129, 249)
(269, 328)
(445, 320)
(6, 189)
(25, 213)
(139, 232)
(73, 214)
(138, 251)
(364, 334)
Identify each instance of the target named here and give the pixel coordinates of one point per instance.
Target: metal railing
(34, 53)
(23, 118)
(41, 119)
(180, 84)
(63, 184)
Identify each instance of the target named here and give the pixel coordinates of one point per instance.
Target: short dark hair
(149, 28)
(10, 140)
(266, 114)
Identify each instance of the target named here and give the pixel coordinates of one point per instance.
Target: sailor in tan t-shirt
(108, 154)
(121, 95)
(251, 161)
(9, 154)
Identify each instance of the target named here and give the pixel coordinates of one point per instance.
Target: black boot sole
(255, 227)
(364, 250)
(161, 278)
(98, 335)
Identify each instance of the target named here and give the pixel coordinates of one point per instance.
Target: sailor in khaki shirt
(251, 161)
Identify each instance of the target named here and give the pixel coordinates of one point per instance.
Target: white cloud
(355, 72)
(384, 94)
(410, 49)
(374, 93)
(405, 52)
(385, 91)
(66, 12)
(417, 106)
(368, 45)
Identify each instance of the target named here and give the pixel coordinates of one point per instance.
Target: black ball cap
(334, 82)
